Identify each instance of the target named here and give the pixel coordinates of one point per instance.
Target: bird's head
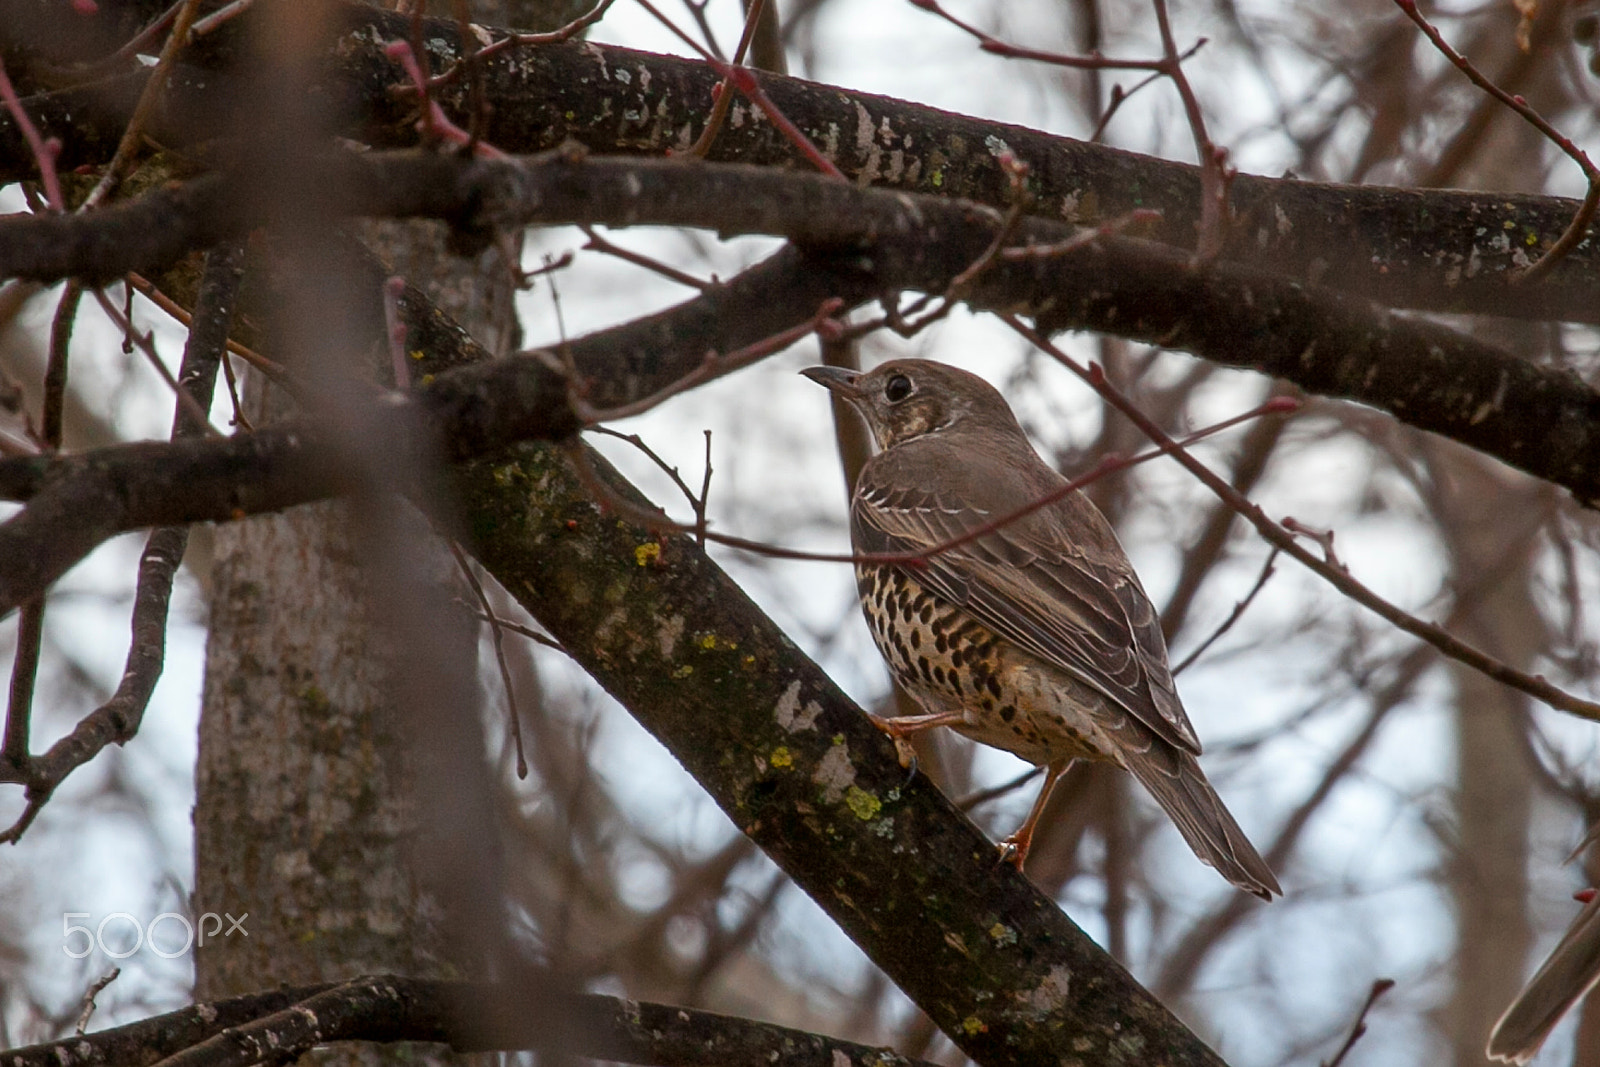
(905, 399)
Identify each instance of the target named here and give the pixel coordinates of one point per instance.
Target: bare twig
(638, 259)
(1233, 616)
(721, 97)
(274, 372)
(518, 40)
(55, 373)
(497, 637)
(995, 792)
(696, 503)
(714, 365)
(88, 999)
(219, 17)
(1359, 1027)
(44, 152)
(1275, 534)
(153, 88)
(1093, 61)
(520, 630)
(433, 124)
(118, 718)
(658, 520)
(146, 344)
(744, 79)
(1108, 228)
(1575, 231)
(1215, 174)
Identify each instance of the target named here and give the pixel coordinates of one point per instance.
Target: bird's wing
(1081, 611)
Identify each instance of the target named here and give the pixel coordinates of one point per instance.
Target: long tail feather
(1180, 787)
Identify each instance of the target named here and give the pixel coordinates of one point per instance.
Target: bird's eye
(897, 388)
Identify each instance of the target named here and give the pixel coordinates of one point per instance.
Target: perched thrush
(1034, 635)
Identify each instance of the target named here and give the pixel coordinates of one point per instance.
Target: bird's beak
(836, 380)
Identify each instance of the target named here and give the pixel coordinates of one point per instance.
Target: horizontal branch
(469, 1017)
(1430, 249)
(1542, 420)
(77, 501)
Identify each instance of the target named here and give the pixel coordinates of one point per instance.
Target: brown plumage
(1034, 637)
(1561, 981)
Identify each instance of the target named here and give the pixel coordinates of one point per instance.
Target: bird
(1565, 977)
(1031, 634)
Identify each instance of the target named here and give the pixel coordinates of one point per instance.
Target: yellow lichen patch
(864, 804)
(710, 642)
(683, 671)
(782, 757)
(1002, 934)
(974, 1025)
(647, 553)
(417, 353)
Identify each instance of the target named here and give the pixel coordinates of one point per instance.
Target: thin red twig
(992, 44)
(638, 259)
(1215, 174)
(44, 152)
(721, 98)
(433, 124)
(744, 79)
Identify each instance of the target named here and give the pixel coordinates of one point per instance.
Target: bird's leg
(901, 727)
(1014, 849)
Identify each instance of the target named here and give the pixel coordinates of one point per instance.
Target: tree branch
(1543, 420)
(272, 1026)
(1438, 250)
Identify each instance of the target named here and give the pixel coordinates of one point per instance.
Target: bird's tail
(1174, 778)
(1569, 973)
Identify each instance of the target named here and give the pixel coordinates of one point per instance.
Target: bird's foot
(1014, 850)
(902, 748)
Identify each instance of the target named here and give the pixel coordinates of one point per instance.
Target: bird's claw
(1013, 852)
(902, 748)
